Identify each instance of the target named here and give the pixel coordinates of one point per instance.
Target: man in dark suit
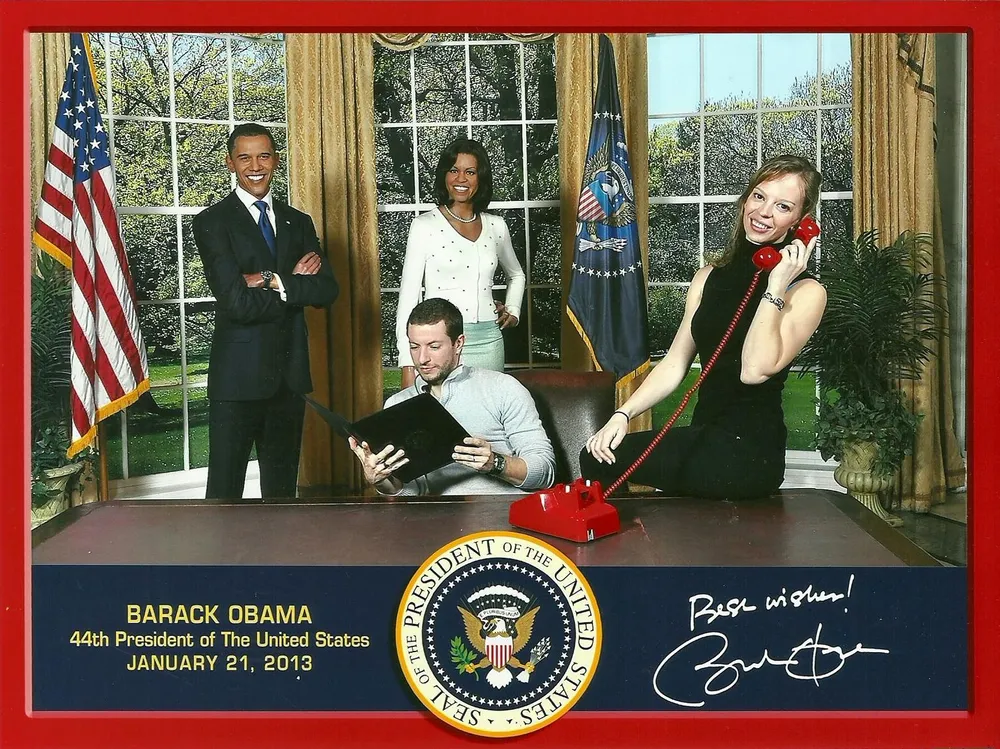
(264, 264)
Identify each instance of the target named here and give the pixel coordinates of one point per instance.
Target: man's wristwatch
(499, 465)
(268, 276)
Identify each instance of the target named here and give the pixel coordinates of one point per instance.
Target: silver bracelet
(777, 301)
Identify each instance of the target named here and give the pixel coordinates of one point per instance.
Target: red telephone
(578, 511)
(766, 258)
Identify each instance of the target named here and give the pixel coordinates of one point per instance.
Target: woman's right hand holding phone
(602, 444)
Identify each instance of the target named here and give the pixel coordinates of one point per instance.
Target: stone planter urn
(855, 474)
(57, 481)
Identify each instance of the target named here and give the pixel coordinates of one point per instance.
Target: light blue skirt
(483, 346)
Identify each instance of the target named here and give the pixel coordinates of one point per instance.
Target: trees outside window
(170, 102)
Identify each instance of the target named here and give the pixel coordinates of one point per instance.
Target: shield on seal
(499, 649)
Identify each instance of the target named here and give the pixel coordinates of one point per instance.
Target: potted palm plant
(51, 470)
(879, 324)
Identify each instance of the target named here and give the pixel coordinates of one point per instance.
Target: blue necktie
(265, 227)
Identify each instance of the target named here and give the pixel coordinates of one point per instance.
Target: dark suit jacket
(259, 340)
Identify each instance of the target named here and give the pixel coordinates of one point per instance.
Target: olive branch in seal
(463, 657)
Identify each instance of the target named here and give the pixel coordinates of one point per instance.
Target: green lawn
(798, 401)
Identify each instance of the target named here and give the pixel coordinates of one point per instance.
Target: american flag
(76, 222)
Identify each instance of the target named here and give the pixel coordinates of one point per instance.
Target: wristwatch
(268, 276)
(499, 465)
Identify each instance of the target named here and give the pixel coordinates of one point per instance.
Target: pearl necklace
(460, 219)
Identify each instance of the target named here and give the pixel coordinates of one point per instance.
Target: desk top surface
(807, 528)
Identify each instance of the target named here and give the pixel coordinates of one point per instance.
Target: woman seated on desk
(453, 251)
(735, 446)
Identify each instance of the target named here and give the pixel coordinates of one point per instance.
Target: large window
(170, 102)
(501, 93)
(719, 105)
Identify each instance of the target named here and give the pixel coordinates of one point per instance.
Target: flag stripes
(77, 223)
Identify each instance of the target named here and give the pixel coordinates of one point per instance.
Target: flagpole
(103, 488)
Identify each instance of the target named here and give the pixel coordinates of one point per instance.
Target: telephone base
(575, 512)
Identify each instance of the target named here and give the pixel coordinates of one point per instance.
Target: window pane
(730, 71)
(514, 218)
(546, 246)
(440, 81)
(394, 165)
(139, 76)
(97, 51)
(546, 316)
(279, 186)
(674, 158)
(143, 176)
(393, 228)
(516, 340)
(788, 132)
(392, 85)
(674, 67)
(730, 153)
(113, 441)
(195, 283)
(798, 402)
(201, 90)
(540, 80)
(201, 164)
(151, 247)
(390, 301)
(503, 146)
(673, 242)
(719, 218)
(543, 162)
(838, 150)
(789, 70)
(160, 326)
(156, 438)
(431, 141)
(258, 80)
(836, 68)
(197, 405)
(495, 82)
(666, 308)
(837, 220)
(199, 322)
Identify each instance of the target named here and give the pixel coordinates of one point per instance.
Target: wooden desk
(798, 528)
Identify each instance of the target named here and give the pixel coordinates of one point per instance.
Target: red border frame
(978, 727)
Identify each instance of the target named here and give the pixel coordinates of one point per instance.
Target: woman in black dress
(735, 446)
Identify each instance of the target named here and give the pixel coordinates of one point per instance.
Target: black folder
(420, 426)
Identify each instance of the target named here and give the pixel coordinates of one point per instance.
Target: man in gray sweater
(510, 454)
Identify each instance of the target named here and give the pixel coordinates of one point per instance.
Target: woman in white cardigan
(452, 252)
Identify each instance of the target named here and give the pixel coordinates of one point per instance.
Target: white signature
(725, 674)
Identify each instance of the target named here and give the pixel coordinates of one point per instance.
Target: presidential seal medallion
(498, 634)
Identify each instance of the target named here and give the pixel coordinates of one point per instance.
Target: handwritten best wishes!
(812, 659)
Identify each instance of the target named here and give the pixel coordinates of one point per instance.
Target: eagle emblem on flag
(498, 622)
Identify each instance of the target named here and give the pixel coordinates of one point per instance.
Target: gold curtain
(576, 84)
(331, 167)
(49, 54)
(895, 189)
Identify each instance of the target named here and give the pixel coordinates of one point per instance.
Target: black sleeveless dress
(735, 445)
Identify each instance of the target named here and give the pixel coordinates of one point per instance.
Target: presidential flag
(607, 296)
(76, 222)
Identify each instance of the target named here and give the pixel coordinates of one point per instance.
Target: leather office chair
(572, 406)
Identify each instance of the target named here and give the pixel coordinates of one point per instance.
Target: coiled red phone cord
(687, 396)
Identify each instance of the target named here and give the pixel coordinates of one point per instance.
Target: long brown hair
(773, 168)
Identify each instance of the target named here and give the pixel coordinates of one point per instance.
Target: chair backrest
(572, 406)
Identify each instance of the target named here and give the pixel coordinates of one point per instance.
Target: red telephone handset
(766, 258)
(578, 511)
